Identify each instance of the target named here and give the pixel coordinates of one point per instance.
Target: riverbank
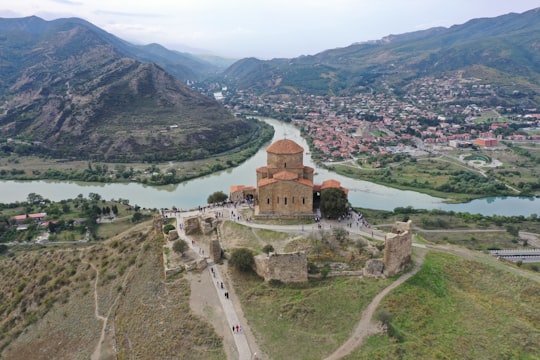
(18, 167)
(400, 181)
(192, 193)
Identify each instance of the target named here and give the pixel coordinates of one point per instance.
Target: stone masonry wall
(294, 198)
(290, 267)
(398, 248)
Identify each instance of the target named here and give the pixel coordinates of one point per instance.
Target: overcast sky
(263, 28)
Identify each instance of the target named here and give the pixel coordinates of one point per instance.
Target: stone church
(285, 185)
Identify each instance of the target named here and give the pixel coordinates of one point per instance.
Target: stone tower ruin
(398, 248)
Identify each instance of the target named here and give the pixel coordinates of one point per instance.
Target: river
(193, 193)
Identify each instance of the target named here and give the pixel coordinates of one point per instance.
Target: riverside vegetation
(447, 177)
(16, 166)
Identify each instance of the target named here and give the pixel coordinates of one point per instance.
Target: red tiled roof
(305, 182)
(285, 146)
(32, 216)
(235, 188)
(330, 184)
(285, 175)
(264, 182)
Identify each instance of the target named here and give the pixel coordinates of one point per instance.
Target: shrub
(179, 246)
(242, 259)
(168, 228)
(275, 283)
(312, 268)
(268, 249)
(325, 271)
(137, 216)
(384, 317)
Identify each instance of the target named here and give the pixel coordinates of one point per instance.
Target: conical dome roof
(285, 146)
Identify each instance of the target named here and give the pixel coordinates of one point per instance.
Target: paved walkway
(240, 338)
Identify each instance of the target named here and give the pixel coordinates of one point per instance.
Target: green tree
(513, 230)
(216, 197)
(167, 228)
(94, 197)
(334, 203)
(137, 216)
(34, 198)
(242, 259)
(179, 246)
(268, 249)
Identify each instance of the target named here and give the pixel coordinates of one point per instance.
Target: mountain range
(504, 50)
(70, 90)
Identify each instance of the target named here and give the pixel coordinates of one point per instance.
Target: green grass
(490, 116)
(319, 315)
(424, 176)
(245, 236)
(459, 309)
(108, 230)
(428, 174)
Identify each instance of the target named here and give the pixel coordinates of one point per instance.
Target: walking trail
(237, 328)
(365, 326)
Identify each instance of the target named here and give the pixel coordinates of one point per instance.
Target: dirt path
(207, 299)
(97, 351)
(365, 326)
(109, 351)
(96, 355)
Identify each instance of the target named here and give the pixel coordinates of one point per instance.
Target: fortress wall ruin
(289, 267)
(398, 248)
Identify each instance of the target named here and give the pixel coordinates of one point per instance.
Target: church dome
(284, 147)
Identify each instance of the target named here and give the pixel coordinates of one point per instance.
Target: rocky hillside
(69, 91)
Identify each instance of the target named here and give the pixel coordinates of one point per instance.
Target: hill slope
(504, 50)
(67, 90)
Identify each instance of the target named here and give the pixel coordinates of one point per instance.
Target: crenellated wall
(289, 267)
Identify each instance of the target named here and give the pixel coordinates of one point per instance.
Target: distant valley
(69, 90)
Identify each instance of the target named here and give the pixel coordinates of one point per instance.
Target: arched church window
(303, 200)
(285, 165)
(285, 201)
(268, 201)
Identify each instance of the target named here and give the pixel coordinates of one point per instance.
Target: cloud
(10, 14)
(67, 2)
(126, 14)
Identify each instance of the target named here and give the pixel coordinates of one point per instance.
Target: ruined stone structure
(215, 250)
(172, 235)
(398, 248)
(157, 224)
(200, 224)
(289, 267)
(374, 267)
